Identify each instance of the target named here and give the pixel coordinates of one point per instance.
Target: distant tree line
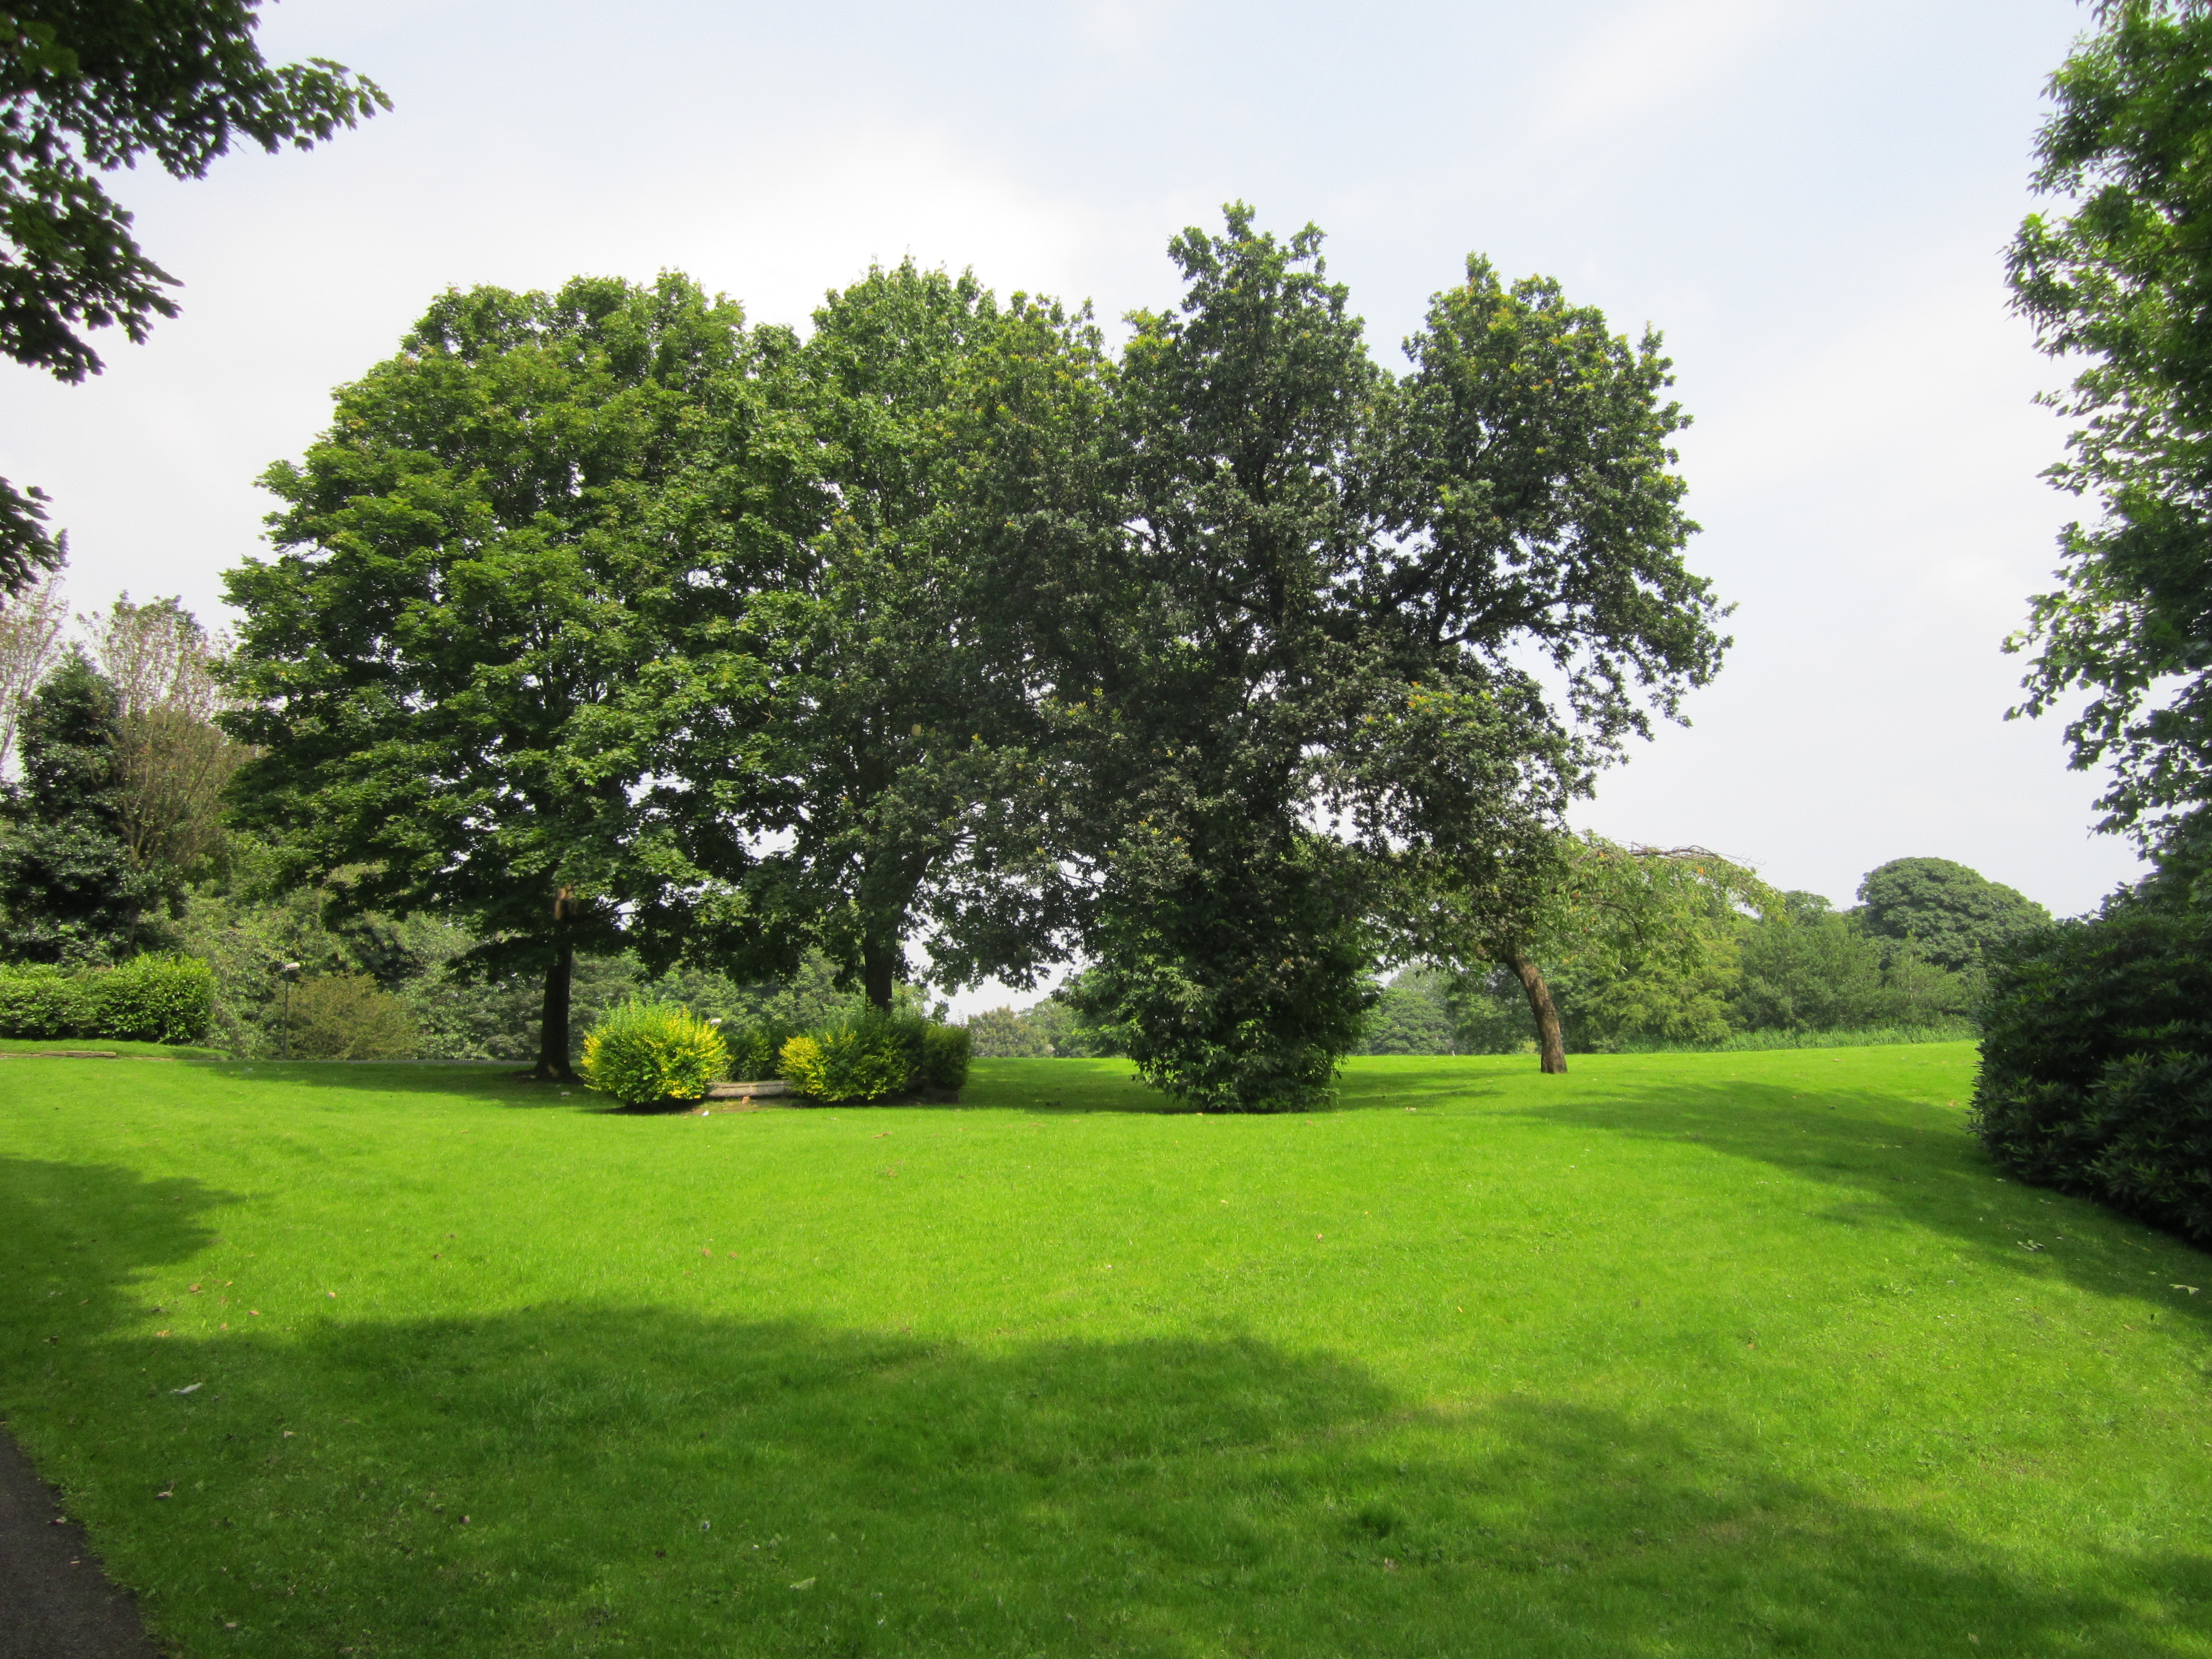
(1910, 957)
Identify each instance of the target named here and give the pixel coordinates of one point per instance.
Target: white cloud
(1644, 55)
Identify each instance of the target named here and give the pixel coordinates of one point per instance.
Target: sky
(1810, 198)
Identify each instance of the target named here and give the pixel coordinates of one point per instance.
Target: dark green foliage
(1296, 673)
(431, 966)
(1815, 970)
(807, 998)
(149, 998)
(855, 690)
(152, 999)
(1951, 913)
(1239, 978)
(2123, 282)
(757, 1050)
(1489, 1012)
(91, 87)
(66, 880)
(42, 1001)
(2096, 1061)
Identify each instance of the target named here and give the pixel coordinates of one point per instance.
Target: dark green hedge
(2097, 1062)
(146, 1000)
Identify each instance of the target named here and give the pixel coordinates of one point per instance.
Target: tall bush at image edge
(2096, 1072)
(644, 1054)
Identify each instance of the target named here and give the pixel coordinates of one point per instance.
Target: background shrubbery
(149, 998)
(348, 1017)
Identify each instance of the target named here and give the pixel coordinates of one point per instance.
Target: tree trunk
(553, 1022)
(878, 960)
(1551, 1045)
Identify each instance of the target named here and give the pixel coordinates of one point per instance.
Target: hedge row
(149, 998)
(2097, 1063)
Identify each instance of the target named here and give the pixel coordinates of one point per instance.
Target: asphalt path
(55, 1600)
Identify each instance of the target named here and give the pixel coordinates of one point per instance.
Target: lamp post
(291, 971)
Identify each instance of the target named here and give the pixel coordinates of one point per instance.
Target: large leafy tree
(2120, 281)
(853, 704)
(1299, 676)
(90, 88)
(445, 668)
(73, 894)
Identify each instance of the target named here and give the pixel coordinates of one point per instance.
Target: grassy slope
(1675, 1355)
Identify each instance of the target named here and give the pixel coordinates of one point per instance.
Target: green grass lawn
(17, 1047)
(1715, 1354)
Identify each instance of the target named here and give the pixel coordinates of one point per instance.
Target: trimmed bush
(865, 1059)
(945, 1051)
(151, 998)
(877, 1055)
(646, 1053)
(2097, 1062)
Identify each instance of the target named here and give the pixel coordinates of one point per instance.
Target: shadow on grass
(1894, 1162)
(582, 1478)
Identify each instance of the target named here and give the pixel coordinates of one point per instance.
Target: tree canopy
(2120, 279)
(853, 708)
(446, 671)
(91, 88)
(1953, 914)
(604, 623)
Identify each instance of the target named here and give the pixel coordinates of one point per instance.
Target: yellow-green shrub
(645, 1053)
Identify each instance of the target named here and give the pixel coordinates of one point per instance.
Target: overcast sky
(1810, 197)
